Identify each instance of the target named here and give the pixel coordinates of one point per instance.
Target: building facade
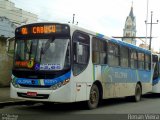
(10, 18)
(129, 31)
(7, 27)
(16, 15)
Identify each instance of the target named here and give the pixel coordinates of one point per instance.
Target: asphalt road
(118, 109)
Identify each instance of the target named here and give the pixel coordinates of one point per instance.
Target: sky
(103, 16)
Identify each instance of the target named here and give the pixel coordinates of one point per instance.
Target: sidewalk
(5, 99)
(5, 95)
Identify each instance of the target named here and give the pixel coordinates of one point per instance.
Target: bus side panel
(83, 83)
(145, 79)
(115, 81)
(156, 86)
(120, 82)
(103, 73)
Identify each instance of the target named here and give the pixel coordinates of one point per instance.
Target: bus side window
(155, 76)
(95, 51)
(159, 68)
(133, 59)
(103, 50)
(113, 54)
(140, 60)
(124, 56)
(147, 62)
(155, 58)
(99, 55)
(81, 47)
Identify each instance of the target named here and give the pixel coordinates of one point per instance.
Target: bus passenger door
(81, 50)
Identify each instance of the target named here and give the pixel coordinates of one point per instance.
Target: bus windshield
(42, 54)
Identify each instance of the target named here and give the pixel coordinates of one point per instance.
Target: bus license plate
(32, 94)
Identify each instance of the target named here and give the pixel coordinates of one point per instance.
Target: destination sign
(40, 29)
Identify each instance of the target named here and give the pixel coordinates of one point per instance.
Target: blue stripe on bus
(99, 35)
(130, 46)
(124, 75)
(47, 82)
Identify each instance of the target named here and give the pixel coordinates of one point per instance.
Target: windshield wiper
(45, 47)
(30, 51)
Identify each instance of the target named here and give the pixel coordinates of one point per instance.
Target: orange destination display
(42, 31)
(39, 29)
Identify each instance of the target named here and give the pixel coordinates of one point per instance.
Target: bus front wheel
(94, 97)
(138, 93)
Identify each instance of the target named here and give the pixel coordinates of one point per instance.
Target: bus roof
(121, 43)
(98, 35)
(131, 46)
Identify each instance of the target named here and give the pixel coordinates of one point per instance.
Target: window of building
(128, 34)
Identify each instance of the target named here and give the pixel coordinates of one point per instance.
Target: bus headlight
(14, 82)
(60, 84)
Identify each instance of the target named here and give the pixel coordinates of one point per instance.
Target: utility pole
(150, 42)
(146, 24)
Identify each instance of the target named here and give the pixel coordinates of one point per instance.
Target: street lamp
(73, 20)
(150, 42)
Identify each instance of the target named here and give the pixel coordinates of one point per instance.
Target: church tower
(130, 28)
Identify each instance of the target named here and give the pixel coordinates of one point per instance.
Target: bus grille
(39, 96)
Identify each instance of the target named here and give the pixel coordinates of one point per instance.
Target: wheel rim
(138, 93)
(94, 97)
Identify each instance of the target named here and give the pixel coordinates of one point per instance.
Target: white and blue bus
(156, 74)
(56, 62)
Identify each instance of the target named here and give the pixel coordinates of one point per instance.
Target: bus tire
(138, 93)
(93, 97)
